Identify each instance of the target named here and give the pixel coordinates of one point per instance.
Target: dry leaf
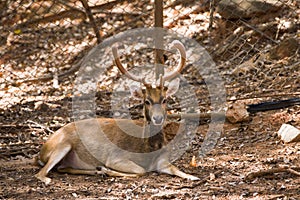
(193, 162)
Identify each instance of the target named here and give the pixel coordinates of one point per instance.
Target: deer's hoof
(193, 178)
(44, 179)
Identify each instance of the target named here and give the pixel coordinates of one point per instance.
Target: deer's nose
(157, 119)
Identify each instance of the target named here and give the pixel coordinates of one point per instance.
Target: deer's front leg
(166, 167)
(111, 172)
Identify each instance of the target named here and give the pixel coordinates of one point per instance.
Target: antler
(179, 46)
(175, 45)
(160, 81)
(123, 70)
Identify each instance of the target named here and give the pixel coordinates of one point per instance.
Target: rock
(289, 133)
(237, 113)
(236, 9)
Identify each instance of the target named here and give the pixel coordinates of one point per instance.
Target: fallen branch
(266, 172)
(266, 95)
(196, 115)
(273, 105)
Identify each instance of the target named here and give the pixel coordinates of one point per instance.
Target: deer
(81, 147)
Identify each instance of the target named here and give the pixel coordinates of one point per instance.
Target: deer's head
(155, 96)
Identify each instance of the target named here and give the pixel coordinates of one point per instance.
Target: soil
(242, 149)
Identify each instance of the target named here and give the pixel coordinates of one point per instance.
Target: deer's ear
(136, 92)
(173, 87)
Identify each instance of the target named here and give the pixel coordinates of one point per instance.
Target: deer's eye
(147, 102)
(164, 101)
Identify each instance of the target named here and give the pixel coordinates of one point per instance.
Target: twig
(197, 115)
(261, 173)
(138, 186)
(292, 171)
(40, 125)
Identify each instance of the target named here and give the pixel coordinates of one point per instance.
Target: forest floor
(242, 149)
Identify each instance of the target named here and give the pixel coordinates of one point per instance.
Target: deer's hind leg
(52, 157)
(73, 164)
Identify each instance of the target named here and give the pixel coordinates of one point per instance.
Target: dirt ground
(254, 68)
(242, 149)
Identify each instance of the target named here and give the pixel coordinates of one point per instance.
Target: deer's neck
(154, 136)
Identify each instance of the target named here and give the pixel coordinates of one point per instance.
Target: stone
(289, 133)
(237, 112)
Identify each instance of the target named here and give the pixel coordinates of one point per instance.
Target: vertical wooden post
(212, 6)
(92, 20)
(158, 38)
